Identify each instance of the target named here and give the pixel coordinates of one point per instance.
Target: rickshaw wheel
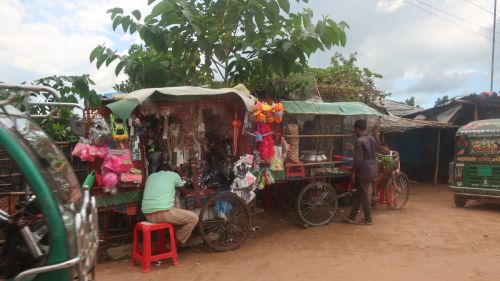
(401, 191)
(224, 222)
(317, 204)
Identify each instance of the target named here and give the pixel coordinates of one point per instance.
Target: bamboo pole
(438, 150)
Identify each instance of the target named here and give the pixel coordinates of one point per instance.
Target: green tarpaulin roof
(329, 108)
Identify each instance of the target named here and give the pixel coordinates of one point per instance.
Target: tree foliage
(441, 101)
(344, 80)
(236, 41)
(73, 89)
(410, 101)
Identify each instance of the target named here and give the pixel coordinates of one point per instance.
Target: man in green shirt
(158, 203)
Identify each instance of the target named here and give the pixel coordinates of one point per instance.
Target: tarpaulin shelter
(124, 107)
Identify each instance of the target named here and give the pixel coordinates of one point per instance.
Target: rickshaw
(49, 229)
(475, 172)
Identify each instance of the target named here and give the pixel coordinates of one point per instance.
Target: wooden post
(475, 112)
(438, 150)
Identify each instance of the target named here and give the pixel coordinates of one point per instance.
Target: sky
(423, 48)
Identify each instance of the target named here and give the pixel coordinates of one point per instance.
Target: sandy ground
(429, 240)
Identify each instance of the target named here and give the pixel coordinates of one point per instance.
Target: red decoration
(267, 145)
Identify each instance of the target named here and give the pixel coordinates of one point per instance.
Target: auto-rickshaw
(475, 171)
(50, 232)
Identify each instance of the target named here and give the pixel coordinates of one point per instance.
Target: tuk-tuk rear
(475, 171)
(50, 231)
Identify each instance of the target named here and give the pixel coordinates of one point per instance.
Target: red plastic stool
(147, 254)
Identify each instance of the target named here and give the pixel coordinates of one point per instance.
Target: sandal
(349, 221)
(365, 222)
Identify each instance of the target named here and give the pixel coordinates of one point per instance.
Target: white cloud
(42, 38)
(389, 6)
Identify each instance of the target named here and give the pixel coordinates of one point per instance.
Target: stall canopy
(124, 107)
(327, 108)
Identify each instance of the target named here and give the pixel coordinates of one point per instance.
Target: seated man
(159, 199)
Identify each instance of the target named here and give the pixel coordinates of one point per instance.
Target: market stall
(226, 145)
(198, 131)
(320, 139)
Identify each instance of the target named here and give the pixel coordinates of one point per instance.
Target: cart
(194, 130)
(324, 147)
(199, 130)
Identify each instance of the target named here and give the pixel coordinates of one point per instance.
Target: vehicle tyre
(317, 204)
(460, 200)
(224, 222)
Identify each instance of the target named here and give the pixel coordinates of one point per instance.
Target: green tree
(236, 41)
(442, 100)
(410, 101)
(344, 80)
(73, 89)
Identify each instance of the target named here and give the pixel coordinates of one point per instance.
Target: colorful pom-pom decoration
(268, 112)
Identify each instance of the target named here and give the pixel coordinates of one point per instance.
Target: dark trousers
(361, 198)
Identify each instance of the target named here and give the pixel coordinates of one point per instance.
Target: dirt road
(429, 240)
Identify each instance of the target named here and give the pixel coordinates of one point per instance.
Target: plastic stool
(295, 171)
(147, 254)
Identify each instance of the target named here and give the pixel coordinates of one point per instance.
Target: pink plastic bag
(118, 163)
(85, 154)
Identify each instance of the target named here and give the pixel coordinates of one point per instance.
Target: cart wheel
(317, 204)
(224, 222)
(401, 191)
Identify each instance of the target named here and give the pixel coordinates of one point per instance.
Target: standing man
(158, 203)
(364, 171)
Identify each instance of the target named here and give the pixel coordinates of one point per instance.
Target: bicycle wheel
(224, 222)
(317, 204)
(399, 191)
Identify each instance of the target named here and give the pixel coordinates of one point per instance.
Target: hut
(425, 147)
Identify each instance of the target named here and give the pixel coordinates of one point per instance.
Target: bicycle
(396, 194)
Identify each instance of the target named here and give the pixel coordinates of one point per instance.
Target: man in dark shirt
(364, 171)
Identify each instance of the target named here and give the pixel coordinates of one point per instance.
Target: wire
(455, 16)
(448, 20)
(479, 6)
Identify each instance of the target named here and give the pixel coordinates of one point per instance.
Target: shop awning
(124, 107)
(329, 108)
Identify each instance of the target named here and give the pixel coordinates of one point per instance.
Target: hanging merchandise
(244, 183)
(277, 160)
(292, 129)
(268, 112)
(136, 152)
(119, 128)
(236, 131)
(110, 180)
(256, 161)
(88, 152)
(267, 144)
(118, 162)
(99, 131)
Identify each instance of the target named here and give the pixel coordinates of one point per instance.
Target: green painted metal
(58, 249)
(329, 108)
